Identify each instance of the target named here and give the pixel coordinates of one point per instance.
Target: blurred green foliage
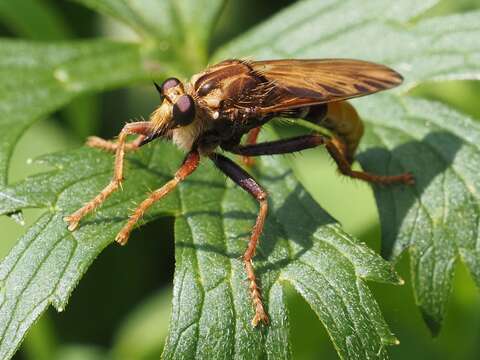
(105, 321)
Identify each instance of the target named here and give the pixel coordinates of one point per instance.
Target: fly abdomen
(342, 119)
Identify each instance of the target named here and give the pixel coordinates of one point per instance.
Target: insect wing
(292, 84)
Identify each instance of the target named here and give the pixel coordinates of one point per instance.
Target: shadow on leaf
(426, 159)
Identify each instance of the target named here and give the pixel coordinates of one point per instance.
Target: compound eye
(184, 110)
(168, 84)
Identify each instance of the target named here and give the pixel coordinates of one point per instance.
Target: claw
(248, 161)
(122, 237)
(72, 223)
(260, 317)
(409, 179)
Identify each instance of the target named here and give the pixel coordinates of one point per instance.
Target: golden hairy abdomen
(343, 120)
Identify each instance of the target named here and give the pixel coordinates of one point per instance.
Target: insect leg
(111, 146)
(189, 165)
(251, 139)
(335, 147)
(142, 128)
(284, 146)
(246, 181)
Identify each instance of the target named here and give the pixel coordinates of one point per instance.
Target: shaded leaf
(439, 48)
(437, 221)
(213, 224)
(142, 335)
(33, 19)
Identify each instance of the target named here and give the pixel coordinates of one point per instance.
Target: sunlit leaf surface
(425, 50)
(302, 245)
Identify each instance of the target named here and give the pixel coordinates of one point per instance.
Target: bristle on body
(161, 117)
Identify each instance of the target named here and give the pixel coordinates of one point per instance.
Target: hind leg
(251, 140)
(336, 149)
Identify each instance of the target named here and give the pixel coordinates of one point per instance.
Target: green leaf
(81, 352)
(324, 264)
(436, 221)
(301, 245)
(33, 19)
(423, 51)
(39, 20)
(441, 48)
(149, 18)
(39, 78)
(182, 27)
(143, 334)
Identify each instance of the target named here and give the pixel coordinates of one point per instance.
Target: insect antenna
(159, 90)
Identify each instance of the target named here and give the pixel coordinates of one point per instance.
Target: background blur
(126, 316)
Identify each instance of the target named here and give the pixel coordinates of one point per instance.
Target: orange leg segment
(142, 128)
(189, 165)
(111, 146)
(251, 140)
(335, 149)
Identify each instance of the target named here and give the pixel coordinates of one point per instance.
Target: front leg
(189, 165)
(111, 146)
(242, 178)
(142, 128)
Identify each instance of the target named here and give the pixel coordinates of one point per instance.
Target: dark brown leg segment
(189, 165)
(335, 148)
(142, 128)
(284, 146)
(246, 181)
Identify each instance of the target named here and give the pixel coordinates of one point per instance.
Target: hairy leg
(335, 147)
(242, 178)
(251, 139)
(189, 165)
(111, 146)
(142, 128)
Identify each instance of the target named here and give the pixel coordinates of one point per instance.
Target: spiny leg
(246, 181)
(142, 128)
(189, 165)
(335, 147)
(111, 146)
(251, 139)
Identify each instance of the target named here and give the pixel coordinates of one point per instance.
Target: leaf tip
(433, 323)
(17, 216)
(58, 303)
(390, 341)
